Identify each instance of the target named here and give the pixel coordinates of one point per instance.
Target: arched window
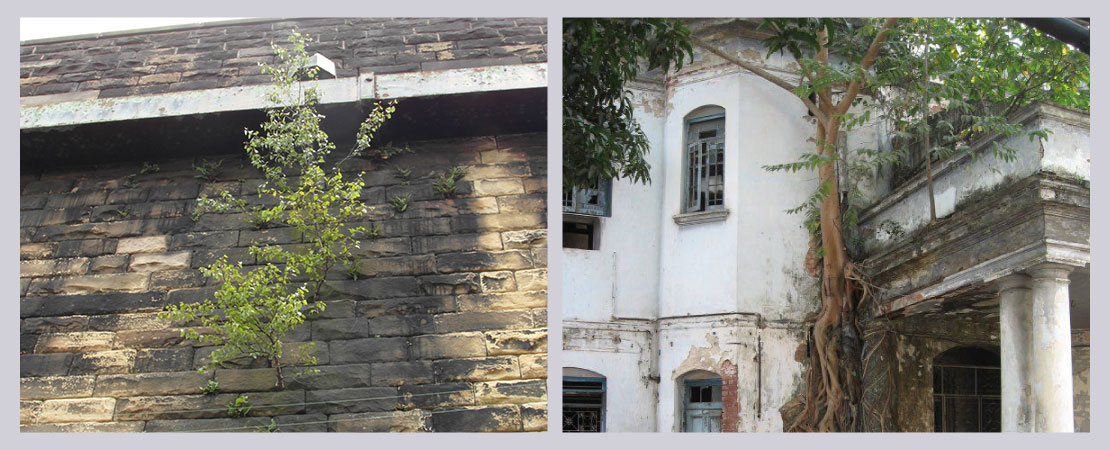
(701, 402)
(704, 160)
(583, 400)
(967, 388)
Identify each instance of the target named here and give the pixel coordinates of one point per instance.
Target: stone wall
(179, 59)
(444, 330)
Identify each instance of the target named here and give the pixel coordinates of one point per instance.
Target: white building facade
(685, 299)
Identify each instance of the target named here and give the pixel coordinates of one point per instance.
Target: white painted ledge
(70, 109)
(693, 218)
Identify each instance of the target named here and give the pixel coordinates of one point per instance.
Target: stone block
(207, 406)
(497, 222)
(301, 353)
(92, 284)
(520, 204)
(477, 369)
(56, 387)
(177, 279)
(539, 256)
(497, 282)
(457, 243)
(208, 239)
(368, 350)
(121, 322)
(84, 427)
(38, 250)
(248, 380)
(401, 373)
(157, 262)
(401, 421)
(382, 247)
(331, 329)
(29, 411)
(92, 304)
(245, 424)
(164, 360)
(333, 377)
(534, 416)
(356, 400)
(482, 321)
(483, 261)
(406, 306)
(460, 345)
(202, 359)
(145, 244)
(86, 247)
(415, 227)
(108, 264)
(500, 301)
(535, 185)
(498, 187)
(53, 364)
(400, 265)
(169, 337)
(106, 362)
(434, 396)
(53, 267)
(63, 324)
(533, 366)
(158, 383)
(78, 410)
(72, 342)
(516, 342)
(450, 284)
(394, 325)
(479, 419)
(524, 238)
(510, 392)
(374, 288)
(531, 280)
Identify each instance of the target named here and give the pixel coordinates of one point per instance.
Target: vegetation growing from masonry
(942, 84)
(255, 307)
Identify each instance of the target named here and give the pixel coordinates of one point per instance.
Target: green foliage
(254, 308)
(400, 204)
(271, 428)
(402, 174)
(446, 182)
(211, 388)
(354, 268)
(129, 181)
(239, 407)
(601, 139)
(208, 170)
(149, 168)
(375, 231)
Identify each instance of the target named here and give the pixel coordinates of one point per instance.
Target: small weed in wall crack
(400, 204)
(447, 182)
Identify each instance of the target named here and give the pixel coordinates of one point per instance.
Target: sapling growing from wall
(255, 308)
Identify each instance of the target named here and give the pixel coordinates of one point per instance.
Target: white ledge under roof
(78, 108)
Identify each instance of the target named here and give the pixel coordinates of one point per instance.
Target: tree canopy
(601, 139)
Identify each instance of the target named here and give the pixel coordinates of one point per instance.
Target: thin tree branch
(865, 65)
(762, 73)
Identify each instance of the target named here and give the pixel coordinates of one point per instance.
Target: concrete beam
(33, 114)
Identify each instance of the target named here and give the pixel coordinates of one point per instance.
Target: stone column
(1015, 306)
(1052, 377)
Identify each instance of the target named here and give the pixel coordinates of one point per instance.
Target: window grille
(967, 390)
(583, 404)
(705, 164)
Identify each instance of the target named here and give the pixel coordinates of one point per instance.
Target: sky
(47, 27)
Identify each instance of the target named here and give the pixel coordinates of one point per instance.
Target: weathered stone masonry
(453, 299)
(445, 329)
(215, 57)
